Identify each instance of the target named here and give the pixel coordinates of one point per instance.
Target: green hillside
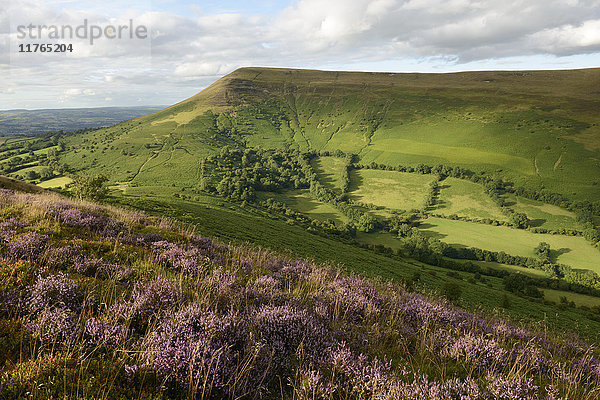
(454, 171)
(538, 129)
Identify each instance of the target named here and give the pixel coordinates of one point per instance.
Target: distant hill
(540, 129)
(35, 122)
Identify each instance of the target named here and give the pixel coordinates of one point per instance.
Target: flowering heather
(28, 246)
(502, 388)
(189, 317)
(55, 291)
(148, 300)
(92, 220)
(188, 260)
(55, 326)
(12, 224)
(142, 239)
(103, 334)
(284, 328)
(196, 347)
(354, 298)
(62, 258)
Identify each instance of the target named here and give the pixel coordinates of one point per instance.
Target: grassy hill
(539, 129)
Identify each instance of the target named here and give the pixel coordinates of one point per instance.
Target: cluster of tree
(487, 221)
(523, 285)
(434, 191)
(238, 174)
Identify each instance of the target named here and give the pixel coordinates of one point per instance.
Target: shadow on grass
(326, 178)
(433, 234)
(356, 181)
(554, 254)
(535, 223)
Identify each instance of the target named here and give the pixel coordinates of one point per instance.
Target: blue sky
(190, 44)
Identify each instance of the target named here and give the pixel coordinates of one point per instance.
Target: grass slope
(537, 128)
(466, 199)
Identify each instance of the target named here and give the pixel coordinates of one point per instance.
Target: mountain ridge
(512, 124)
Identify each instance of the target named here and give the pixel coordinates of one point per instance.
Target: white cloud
(202, 69)
(569, 38)
(187, 52)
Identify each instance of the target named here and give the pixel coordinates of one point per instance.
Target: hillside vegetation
(98, 302)
(539, 129)
(485, 182)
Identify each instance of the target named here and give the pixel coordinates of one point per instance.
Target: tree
(90, 187)
(543, 251)
(31, 175)
(46, 174)
(519, 220)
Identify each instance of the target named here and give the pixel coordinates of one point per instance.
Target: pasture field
(578, 299)
(543, 215)
(59, 182)
(390, 189)
(301, 200)
(329, 171)
(570, 250)
(466, 199)
(535, 273)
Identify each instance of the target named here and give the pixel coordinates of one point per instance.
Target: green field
(303, 201)
(569, 250)
(578, 299)
(543, 215)
(329, 171)
(466, 199)
(59, 182)
(536, 273)
(390, 189)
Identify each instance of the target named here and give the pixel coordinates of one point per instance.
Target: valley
(455, 172)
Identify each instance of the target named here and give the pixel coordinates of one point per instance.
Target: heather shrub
(285, 328)
(62, 258)
(54, 326)
(148, 301)
(12, 302)
(142, 239)
(202, 352)
(92, 220)
(503, 388)
(12, 224)
(354, 299)
(28, 246)
(55, 291)
(190, 262)
(102, 334)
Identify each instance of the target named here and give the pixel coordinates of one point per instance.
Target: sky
(187, 44)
